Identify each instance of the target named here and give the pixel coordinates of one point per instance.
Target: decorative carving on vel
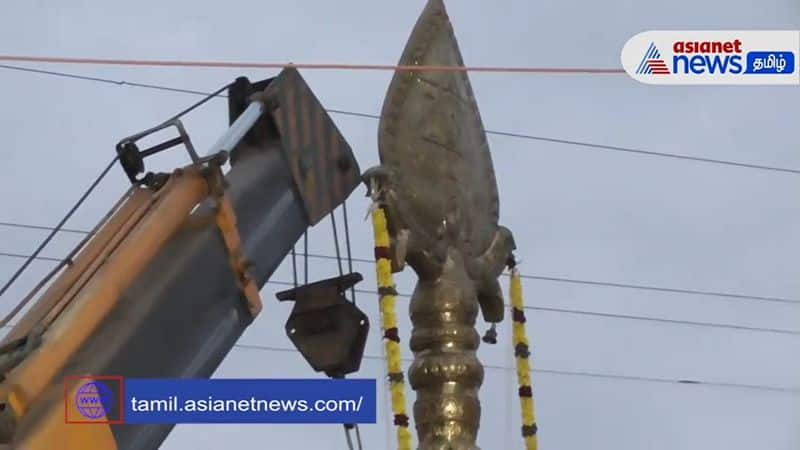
(437, 183)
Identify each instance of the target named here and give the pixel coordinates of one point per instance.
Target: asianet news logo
(707, 57)
(713, 57)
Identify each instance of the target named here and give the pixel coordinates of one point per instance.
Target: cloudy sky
(576, 212)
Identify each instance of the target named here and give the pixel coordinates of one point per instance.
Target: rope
(347, 426)
(349, 251)
(349, 439)
(294, 266)
(336, 242)
(388, 294)
(522, 353)
(358, 438)
(352, 291)
(199, 103)
(305, 257)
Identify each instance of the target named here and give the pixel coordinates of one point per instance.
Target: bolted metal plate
(321, 161)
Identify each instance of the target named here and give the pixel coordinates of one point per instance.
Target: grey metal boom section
(184, 312)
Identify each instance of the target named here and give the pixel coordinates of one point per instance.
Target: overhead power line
(610, 315)
(577, 373)
(577, 143)
(23, 256)
(308, 66)
(664, 289)
(38, 227)
(638, 151)
(55, 230)
(622, 285)
(568, 280)
(546, 309)
(108, 81)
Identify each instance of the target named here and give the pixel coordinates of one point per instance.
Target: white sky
(575, 212)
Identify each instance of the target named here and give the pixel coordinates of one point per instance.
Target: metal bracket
(317, 152)
(132, 159)
(226, 222)
(329, 331)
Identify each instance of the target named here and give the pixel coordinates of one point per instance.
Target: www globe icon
(93, 399)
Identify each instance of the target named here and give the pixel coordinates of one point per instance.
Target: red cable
(255, 65)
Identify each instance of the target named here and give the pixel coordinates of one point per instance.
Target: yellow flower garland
(522, 353)
(391, 340)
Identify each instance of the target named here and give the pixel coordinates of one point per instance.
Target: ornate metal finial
(438, 186)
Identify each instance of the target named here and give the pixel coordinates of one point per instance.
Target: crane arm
(161, 291)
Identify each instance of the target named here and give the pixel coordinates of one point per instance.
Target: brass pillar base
(446, 373)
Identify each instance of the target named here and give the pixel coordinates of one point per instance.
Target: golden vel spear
(437, 185)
